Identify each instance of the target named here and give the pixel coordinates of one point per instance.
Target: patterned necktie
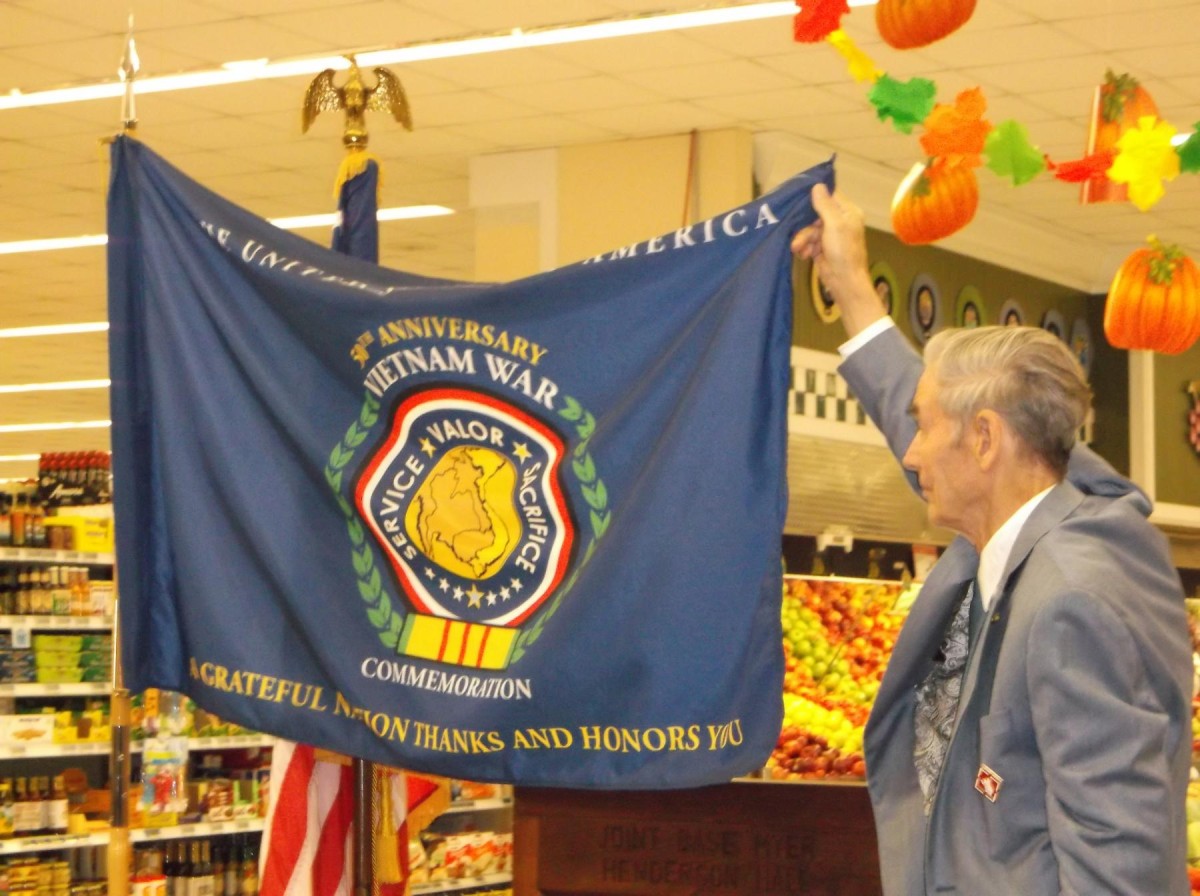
(937, 701)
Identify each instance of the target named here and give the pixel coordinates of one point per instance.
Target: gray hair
(1025, 374)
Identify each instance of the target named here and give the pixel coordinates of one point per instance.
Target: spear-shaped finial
(127, 72)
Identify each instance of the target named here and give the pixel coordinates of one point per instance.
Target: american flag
(307, 838)
(307, 846)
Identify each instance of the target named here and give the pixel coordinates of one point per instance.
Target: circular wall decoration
(1193, 389)
(822, 301)
(1012, 314)
(1081, 344)
(969, 311)
(886, 285)
(924, 307)
(1052, 322)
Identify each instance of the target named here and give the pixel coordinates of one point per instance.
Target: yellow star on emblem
(474, 595)
(427, 447)
(521, 450)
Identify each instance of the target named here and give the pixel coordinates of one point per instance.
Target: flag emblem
(463, 496)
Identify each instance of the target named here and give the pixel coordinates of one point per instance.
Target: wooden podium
(747, 837)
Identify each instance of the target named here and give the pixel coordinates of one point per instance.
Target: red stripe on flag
(329, 864)
(445, 638)
(289, 819)
(482, 647)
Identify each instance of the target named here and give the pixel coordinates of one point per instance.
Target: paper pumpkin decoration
(1154, 301)
(934, 201)
(905, 24)
(1116, 107)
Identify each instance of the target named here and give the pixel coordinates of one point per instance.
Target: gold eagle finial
(356, 98)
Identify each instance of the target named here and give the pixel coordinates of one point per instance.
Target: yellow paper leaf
(862, 68)
(1145, 158)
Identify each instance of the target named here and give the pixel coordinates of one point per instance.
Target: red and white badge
(988, 783)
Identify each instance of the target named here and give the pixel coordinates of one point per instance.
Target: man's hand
(837, 245)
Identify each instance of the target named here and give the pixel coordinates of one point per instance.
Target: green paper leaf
(906, 103)
(1010, 154)
(1189, 152)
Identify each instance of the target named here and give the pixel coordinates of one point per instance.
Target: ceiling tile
(717, 79)
(667, 48)
(593, 92)
(363, 25)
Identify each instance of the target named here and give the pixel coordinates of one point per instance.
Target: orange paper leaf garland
(817, 19)
(955, 134)
(1078, 171)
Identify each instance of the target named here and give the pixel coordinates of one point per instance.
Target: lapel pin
(988, 783)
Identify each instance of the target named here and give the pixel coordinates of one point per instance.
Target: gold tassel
(387, 840)
(353, 164)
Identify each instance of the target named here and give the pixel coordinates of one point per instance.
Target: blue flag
(523, 532)
(357, 230)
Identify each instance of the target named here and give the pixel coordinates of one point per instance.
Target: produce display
(837, 637)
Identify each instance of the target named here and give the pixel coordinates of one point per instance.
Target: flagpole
(355, 98)
(119, 851)
(120, 764)
(364, 853)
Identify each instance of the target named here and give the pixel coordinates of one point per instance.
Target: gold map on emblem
(464, 517)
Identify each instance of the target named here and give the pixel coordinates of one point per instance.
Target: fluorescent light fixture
(516, 39)
(298, 222)
(66, 242)
(62, 386)
(404, 212)
(54, 330)
(329, 219)
(51, 427)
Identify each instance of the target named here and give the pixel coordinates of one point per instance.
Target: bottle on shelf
(6, 809)
(23, 809)
(202, 870)
(21, 595)
(173, 868)
(249, 869)
(233, 867)
(8, 588)
(57, 807)
(17, 519)
(37, 523)
(218, 866)
(5, 518)
(41, 812)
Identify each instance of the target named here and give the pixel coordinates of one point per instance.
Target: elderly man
(1032, 733)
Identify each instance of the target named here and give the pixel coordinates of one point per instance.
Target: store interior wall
(1177, 463)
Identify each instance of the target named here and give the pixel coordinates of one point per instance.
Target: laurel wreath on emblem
(389, 621)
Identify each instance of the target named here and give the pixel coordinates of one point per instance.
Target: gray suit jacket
(1077, 695)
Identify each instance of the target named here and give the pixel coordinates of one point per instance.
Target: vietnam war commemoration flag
(524, 532)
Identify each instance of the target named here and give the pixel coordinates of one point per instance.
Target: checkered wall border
(818, 392)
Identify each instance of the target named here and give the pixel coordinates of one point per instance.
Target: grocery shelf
(58, 623)
(46, 842)
(50, 689)
(228, 742)
(104, 747)
(50, 751)
(52, 555)
(479, 805)
(18, 845)
(462, 883)
(197, 829)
